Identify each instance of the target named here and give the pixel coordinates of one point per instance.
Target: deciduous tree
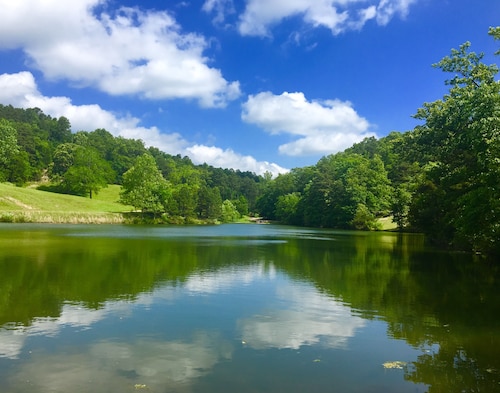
(458, 201)
(88, 174)
(8, 141)
(144, 187)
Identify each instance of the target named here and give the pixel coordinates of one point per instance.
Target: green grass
(18, 204)
(387, 224)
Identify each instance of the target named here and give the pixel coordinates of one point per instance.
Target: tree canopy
(458, 199)
(144, 186)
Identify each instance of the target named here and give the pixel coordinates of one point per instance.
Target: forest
(441, 178)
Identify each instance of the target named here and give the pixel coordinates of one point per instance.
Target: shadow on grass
(57, 189)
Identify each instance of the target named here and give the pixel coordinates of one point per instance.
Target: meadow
(27, 204)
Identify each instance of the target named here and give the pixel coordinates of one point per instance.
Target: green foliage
(283, 184)
(241, 204)
(37, 135)
(18, 169)
(364, 219)
(495, 33)
(287, 208)
(184, 201)
(8, 141)
(400, 206)
(457, 200)
(229, 212)
(63, 159)
(88, 173)
(144, 186)
(46, 145)
(342, 182)
(123, 154)
(60, 132)
(209, 203)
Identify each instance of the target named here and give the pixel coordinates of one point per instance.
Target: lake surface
(242, 308)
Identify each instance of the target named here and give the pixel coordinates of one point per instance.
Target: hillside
(31, 205)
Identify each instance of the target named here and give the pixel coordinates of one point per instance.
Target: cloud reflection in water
(307, 317)
(290, 314)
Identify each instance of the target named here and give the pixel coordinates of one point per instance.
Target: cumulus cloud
(227, 158)
(128, 52)
(322, 127)
(20, 90)
(336, 15)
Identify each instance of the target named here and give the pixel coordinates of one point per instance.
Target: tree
(209, 203)
(124, 154)
(400, 206)
(88, 174)
(287, 208)
(458, 200)
(281, 185)
(61, 131)
(185, 199)
(495, 33)
(229, 212)
(341, 183)
(63, 159)
(8, 141)
(144, 187)
(18, 168)
(241, 204)
(364, 219)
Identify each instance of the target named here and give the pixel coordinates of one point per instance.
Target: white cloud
(221, 8)
(336, 15)
(227, 158)
(388, 8)
(323, 127)
(130, 52)
(20, 90)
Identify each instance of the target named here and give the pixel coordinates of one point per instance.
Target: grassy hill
(19, 204)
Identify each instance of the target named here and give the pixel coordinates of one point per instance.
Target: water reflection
(223, 280)
(117, 366)
(241, 308)
(74, 316)
(81, 351)
(302, 316)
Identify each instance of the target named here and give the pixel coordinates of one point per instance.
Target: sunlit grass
(387, 224)
(18, 204)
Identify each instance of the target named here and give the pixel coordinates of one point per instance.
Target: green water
(242, 308)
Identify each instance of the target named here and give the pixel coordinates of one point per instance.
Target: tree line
(36, 147)
(440, 178)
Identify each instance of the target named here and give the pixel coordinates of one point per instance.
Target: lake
(242, 308)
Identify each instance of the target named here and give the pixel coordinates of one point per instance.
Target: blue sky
(259, 85)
